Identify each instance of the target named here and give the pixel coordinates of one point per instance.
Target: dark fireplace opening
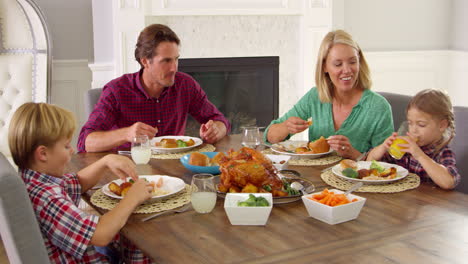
(244, 89)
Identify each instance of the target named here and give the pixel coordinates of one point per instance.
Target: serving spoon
(353, 188)
(298, 186)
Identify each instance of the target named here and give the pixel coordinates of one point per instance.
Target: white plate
(198, 142)
(401, 172)
(171, 184)
(291, 144)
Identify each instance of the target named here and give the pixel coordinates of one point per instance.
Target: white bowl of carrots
(332, 206)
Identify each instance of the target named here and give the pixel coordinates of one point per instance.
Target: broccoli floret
(377, 166)
(181, 144)
(350, 173)
(254, 201)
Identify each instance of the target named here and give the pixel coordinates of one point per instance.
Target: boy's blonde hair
(437, 104)
(36, 124)
(322, 80)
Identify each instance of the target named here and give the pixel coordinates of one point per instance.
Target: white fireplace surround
(290, 29)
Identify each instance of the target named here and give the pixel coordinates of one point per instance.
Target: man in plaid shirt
(39, 139)
(154, 101)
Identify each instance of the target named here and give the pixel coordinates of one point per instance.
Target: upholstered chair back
(24, 60)
(460, 145)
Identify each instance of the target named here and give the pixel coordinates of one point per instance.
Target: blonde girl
(431, 129)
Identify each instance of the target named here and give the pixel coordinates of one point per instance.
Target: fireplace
(244, 89)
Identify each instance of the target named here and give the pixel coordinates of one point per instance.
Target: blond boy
(39, 139)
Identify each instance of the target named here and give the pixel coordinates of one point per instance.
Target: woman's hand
(295, 125)
(121, 166)
(342, 146)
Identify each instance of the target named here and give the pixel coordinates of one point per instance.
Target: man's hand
(212, 131)
(139, 129)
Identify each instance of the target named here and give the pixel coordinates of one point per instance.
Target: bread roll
(199, 159)
(319, 146)
(215, 160)
(347, 163)
(169, 143)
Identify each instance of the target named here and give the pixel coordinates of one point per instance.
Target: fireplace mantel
(292, 30)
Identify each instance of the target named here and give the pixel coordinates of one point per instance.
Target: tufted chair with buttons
(25, 60)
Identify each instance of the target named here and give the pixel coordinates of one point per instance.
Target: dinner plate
(401, 172)
(153, 141)
(308, 186)
(171, 184)
(293, 144)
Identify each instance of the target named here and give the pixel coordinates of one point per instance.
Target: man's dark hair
(150, 38)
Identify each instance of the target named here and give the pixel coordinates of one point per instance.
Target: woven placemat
(178, 155)
(330, 159)
(103, 201)
(409, 182)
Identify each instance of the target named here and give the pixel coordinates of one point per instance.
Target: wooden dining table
(423, 225)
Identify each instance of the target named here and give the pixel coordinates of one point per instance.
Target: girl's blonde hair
(323, 82)
(437, 104)
(36, 124)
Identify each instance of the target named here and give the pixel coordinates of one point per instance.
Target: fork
(177, 210)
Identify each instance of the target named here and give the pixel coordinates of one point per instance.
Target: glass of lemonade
(251, 137)
(203, 193)
(141, 149)
(395, 150)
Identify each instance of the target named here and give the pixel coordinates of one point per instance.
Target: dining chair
(399, 102)
(19, 229)
(460, 145)
(91, 98)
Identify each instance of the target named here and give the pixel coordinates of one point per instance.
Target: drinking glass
(203, 193)
(251, 137)
(141, 149)
(395, 150)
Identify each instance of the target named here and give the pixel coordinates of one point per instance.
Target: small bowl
(334, 214)
(240, 215)
(201, 169)
(277, 159)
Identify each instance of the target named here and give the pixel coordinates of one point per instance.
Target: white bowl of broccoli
(248, 208)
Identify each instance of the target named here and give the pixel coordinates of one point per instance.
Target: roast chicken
(248, 170)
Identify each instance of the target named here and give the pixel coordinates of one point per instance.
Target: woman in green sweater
(343, 108)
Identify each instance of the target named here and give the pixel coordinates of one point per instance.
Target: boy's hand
(140, 191)
(122, 166)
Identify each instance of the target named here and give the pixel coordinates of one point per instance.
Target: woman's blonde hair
(437, 104)
(36, 124)
(324, 84)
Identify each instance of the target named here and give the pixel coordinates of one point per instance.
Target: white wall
(399, 25)
(459, 39)
(71, 27)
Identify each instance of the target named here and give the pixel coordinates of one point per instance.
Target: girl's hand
(295, 125)
(121, 166)
(378, 152)
(140, 191)
(412, 147)
(388, 142)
